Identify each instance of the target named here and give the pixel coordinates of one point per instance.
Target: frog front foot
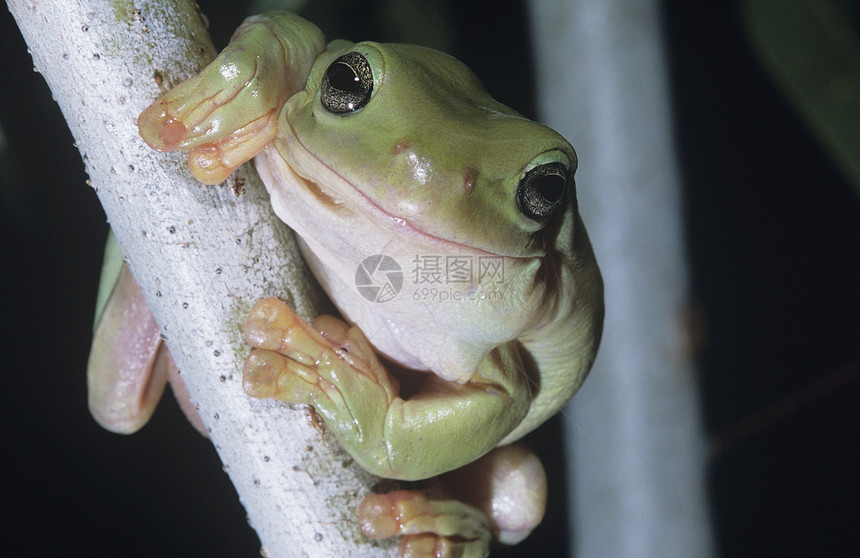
(330, 366)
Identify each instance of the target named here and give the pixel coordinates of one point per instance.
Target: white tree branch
(202, 256)
(636, 445)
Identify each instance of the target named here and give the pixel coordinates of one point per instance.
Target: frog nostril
(469, 177)
(401, 147)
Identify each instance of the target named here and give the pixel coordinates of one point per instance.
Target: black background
(774, 245)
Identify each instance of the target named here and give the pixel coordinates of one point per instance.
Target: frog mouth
(399, 226)
(346, 200)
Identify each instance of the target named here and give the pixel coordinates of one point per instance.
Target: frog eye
(347, 84)
(542, 190)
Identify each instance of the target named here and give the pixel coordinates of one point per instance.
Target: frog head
(414, 132)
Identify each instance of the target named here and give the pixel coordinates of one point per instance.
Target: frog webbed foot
(330, 366)
(500, 497)
(229, 112)
(433, 524)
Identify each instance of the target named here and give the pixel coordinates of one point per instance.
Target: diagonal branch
(202, 256)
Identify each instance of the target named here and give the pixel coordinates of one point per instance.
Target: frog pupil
(542, 191)
(342, 77)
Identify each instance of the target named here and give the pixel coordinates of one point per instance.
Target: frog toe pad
(432, 526)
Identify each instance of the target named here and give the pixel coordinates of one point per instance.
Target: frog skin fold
(393, 151)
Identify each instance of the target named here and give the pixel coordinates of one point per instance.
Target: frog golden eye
(542, 191)
(347, 84)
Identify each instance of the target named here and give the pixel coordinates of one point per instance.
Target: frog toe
(341, 355)
(272, 325)
(207, 165)
(293, 362)
(212, 157)
(268, 374)
(211, 163)
(432, 526)
(427, 545)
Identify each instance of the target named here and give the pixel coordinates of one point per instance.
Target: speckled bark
(202, 256)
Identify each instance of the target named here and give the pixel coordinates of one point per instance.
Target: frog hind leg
(125, 374)
(129, 363)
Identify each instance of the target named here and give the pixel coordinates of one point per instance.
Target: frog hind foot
(229, 112)
(432, 525)
(500, 497)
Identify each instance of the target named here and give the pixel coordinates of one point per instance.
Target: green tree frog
(444, 227)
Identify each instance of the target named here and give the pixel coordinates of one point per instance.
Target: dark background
(774, 245)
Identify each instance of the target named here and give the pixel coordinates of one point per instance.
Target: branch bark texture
(202, 256)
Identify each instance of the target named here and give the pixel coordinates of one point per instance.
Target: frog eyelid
(552, 156)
